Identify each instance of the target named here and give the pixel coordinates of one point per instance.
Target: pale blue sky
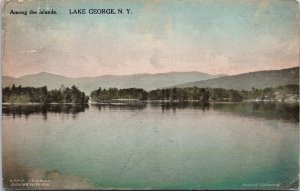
(229, 37)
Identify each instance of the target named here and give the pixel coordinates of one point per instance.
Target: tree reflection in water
(270, 110)
(27, 110)
(184, 105)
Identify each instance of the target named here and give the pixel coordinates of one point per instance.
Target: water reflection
(282, 111)
(139, 106)
(27, 110)
(184, 105)
(198, 146)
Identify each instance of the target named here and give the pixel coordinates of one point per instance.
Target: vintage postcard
(158, 95)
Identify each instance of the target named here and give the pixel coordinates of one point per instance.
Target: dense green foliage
(181, 94)
(21, 94)
(219, 94)
(167, 94)
(195, 93)
(280, 93)
(114, 93)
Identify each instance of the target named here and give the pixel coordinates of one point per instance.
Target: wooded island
(73, 95)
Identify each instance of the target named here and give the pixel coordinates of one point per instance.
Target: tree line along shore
(19, 94)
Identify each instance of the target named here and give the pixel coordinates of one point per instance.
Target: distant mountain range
(260, 79)
(145, 81)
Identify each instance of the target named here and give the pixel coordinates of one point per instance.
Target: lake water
(183, 146)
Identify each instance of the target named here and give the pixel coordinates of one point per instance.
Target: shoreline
(30, 103)
(139, 102)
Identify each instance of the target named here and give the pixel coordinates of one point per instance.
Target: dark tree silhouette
(42, 95)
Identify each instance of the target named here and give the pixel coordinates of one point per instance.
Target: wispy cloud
(160, 36)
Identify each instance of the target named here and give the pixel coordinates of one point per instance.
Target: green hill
(260, 80)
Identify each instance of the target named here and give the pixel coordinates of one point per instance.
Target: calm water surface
(183, 146)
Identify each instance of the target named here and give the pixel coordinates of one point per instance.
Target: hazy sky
(228, 37)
